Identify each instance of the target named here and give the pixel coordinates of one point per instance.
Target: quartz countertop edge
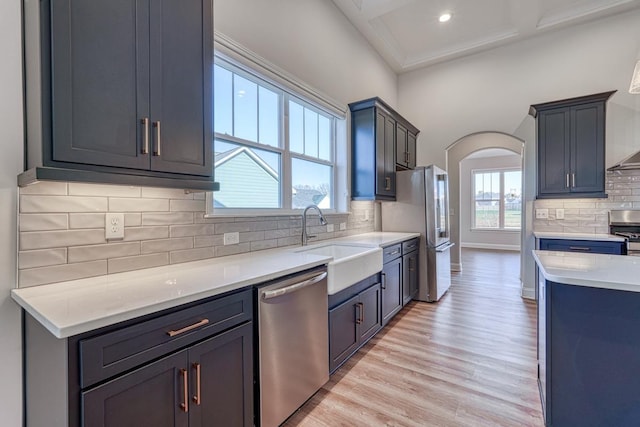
(77, 306)
(615, 272)
(74, 307)
(577, 236)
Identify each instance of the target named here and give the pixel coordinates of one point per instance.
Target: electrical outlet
(343, 226)
(329, 228)
(542, 213)
(231, 238)
(559, 213)
(114, 226)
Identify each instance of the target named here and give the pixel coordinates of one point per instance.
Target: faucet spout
(323, 221)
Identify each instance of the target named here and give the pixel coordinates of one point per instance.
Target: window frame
(501, 202)
(337, 160)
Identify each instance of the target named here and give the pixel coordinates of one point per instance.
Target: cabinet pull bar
(580, 248)
(188, 328)
(384, 280)
(387, 183)
(573, 180)
(397, 251)
(410, 266)
(185, 385)
(145, 138)
(358, 311)
(361, 312)
(196, 398)
(156, 152)
(567, 180)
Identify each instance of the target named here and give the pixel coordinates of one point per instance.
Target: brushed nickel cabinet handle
(410, 266)
(580, 248)
(145, 142)
(573, 180)
(188, 328)
(196, 398)
(387, 183)
(185, 385)
(384, 280)
(358, 313)
(567, 180)
(156, 152)
(361, 312)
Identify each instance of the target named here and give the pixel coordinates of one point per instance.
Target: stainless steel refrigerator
(422, 206)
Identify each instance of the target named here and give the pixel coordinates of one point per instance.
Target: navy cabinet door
(371, 313)
(100, 81)
(147, 397)
(391, 289)
(411, 150)
(401, 146)
(181, 63)
(222, 366)
(554, 161)
(587, 148)
(343, 333)
(409, 276)
(385, 155)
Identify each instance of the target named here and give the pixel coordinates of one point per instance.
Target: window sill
(268, 213)
(499, 230)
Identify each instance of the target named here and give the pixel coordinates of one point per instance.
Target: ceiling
(408, 35)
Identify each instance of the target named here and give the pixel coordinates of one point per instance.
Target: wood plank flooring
(469, 360)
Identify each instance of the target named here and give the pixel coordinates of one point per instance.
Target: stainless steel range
(626, 223)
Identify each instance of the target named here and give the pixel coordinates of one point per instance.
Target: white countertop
(577, 236)
(619, 272)
(77, 306)
(378, 238)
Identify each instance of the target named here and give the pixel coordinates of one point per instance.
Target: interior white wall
(313, 41)
(492, 90)
(489, 239)
(11, 160)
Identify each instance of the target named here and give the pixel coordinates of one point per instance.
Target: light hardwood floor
(469, 360)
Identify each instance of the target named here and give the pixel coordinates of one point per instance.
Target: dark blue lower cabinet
(584, 246)
(588, 355)
(355, 316)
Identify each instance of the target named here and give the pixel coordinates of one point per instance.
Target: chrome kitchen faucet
(323, 221)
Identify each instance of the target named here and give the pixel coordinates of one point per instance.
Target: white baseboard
(491, 246)
(527, 293)
(456, 266)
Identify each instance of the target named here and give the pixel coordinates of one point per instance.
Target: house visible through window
(497, 199)
(273, 150)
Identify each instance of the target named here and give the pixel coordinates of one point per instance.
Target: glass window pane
(312, 184)
(296, 127)
(245, 109)
(269, 133)
(223, 87)
(248, 177)
(487, 214)
(324, 138)
(310, 133)
(512, 199)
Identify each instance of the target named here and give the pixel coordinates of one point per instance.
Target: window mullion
(286, 157)
(501, 204)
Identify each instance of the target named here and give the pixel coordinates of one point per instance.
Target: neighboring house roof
(222, 158)
(306, 196)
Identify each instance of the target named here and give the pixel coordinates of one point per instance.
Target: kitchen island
(589, 338)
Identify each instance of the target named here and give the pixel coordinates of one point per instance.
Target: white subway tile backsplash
(55, 204)
(62, 230)
(42, 222)
(118, 265)
(138, 205)
(42, 258)
(106, 251)
(83, 189)
(60, 273)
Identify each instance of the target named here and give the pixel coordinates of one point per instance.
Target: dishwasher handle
(292, 288)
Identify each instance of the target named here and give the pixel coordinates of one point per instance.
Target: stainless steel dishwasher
(293, 343)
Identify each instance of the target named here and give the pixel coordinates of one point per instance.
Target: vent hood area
(631, 162)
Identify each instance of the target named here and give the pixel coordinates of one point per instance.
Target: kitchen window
(273, 150)
(497, 199)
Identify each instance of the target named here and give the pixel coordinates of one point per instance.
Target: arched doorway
(455, 153)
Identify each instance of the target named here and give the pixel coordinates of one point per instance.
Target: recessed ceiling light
(444, 17)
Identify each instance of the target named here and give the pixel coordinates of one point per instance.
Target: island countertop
(577, 236)
(616, 272)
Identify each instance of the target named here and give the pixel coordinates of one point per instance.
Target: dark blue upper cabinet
(571, 146)
(123, 88)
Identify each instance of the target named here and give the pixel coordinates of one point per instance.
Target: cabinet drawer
(391, 252)
(586, 246)
(410, 245)
(109, 354)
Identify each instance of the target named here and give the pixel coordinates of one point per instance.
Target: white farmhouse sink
(350, 263)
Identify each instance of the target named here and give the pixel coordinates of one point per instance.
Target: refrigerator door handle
(445, 248)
